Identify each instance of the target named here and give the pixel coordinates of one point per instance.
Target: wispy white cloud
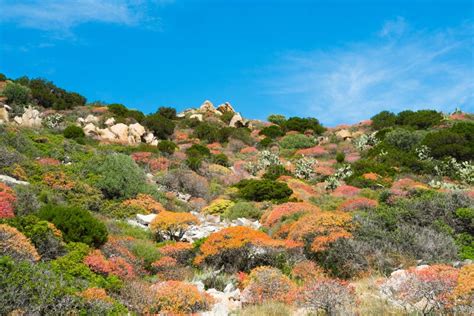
(60, 16)
(397, 70)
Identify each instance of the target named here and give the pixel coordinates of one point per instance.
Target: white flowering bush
(424, 153)
(304, 167)
(332, 182)
(463, 170)
(53, 121)
(365, 141)
(266, 158)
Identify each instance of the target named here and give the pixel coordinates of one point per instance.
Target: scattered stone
(12, 181)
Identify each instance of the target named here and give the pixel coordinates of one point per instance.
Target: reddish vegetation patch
(359, 203)
(346, 191)
(141, 156)
(215, 146)
(274, 215)
(159, 164)
(371, 176)
(7, 199)
(315, 151)
(48, 161)
(249, 150)
(301, 190)
(307, 271)
(118, 266)
(179, 136)
(352, 157)
(459, 116)
(181, 251)
(324, 170)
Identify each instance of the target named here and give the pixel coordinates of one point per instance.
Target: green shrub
(119, 110)
(221, 159)
(227, 117)
(272, 131)
(207, 132)
(74, 132)
(297, 141)
(263, 190)
(448, 142)
(273, 172)
(48, 95)
(243, 209)
(17, 94)
(421, 119)
(264, 143)
(146, 250)
(119, 177)
(303, 124)
(340, 157)
(383, 120)
(168, 112)
(277, 119)
(403, 139)
(26, 200)
(161, 126)
(198, 150)
(76, 224)
(167, 147)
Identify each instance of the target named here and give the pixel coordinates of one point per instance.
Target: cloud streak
(62, 16)
(397, 70)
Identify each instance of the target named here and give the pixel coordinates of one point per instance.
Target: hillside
(107, 210)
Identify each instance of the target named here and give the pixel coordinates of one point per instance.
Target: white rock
(145, 219)
(207, 106)
(237, 121)
(121, 132)
(91, 119)
(344, 134)
(135, 133)
(30, 118)
(3, 115)
(12, 181)
(225, 107)
(110, 121)
(196, 116)
(90, 130)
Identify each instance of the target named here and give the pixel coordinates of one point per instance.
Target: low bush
(73, 132)
(242, 209)
(264, 190)
(272, 131)
(15, 245)
(76, 224)
(161, 126)
(167, 147)
(303, 124)
(177, 297)
(297, 141)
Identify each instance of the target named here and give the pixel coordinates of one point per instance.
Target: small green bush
(76, 224)
(297, 141)
(273, 172)
(277, 119)
(243, 209)
(161, 126)
(74, 132)
(303, 124)
(383, 120)
(221, 159)
(263, 190)
(340, 157)
(17, 94)
(264, 143)
(207, 132)
(272, 131)
(168, 112)
(167, 147)
(119, 177)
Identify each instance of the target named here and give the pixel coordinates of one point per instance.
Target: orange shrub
(321, 229)
(58, 181)
(360, 203)
(7, 199)
(145, 202)
(159, 164)
(315, 151)
(179, 297)
(464, 291)
(181, 251)
(268, 284)
(285, 210)
(242, 248)
(345, 191)
(118, 266)
(95, 293)
(172, 225)
(307, 271)
(16, 245)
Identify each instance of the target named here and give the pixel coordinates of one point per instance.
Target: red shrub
(345, 191)
(249, 150)
(7, 199)
(282, 211)
(181, 251)
(315, 151)
(307, 271)
(359, 203)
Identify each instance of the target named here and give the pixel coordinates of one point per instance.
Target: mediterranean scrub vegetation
(184, 213)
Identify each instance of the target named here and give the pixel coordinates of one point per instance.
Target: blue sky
(339, 61)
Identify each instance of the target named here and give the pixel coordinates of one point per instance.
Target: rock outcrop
(225, 107)
(30, 118)
(116, 133)
(4, 113)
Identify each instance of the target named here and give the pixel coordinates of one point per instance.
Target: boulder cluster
(207, 108)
